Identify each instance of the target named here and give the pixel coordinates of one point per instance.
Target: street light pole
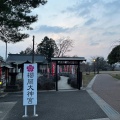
(94, 65)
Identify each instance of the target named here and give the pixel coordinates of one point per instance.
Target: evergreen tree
(47, 48)
(15, 17)
(114, 55)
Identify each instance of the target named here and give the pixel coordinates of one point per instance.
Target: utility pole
(33, 50)
(6, 51)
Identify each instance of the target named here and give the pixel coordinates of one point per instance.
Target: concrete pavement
(67, 105)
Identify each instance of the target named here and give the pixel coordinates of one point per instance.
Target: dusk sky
(93, 25)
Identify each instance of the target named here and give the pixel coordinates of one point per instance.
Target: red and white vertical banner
(30, 84)
(64, 69)
(0, 70)
(48, 70)
(0, 74)
(53, 68)
(70, 69)
(67, 68)
(73, 69)
(60, 69)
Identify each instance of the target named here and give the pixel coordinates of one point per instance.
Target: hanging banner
(48, 70)
(30, 84)
(65, 68)
(0, 74)
(73, 69)
(0, 71)
(53, 68)
(60, 69)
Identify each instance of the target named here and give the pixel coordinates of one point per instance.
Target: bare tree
(64, 45)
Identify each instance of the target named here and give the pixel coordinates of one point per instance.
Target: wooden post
(78, 75)
(33, 50)
(56, 76)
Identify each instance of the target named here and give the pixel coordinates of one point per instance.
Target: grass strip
(87, 78)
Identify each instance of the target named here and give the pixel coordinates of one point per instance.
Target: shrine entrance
(74, 61)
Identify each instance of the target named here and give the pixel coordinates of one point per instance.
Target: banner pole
(35, 111)
(25, 111)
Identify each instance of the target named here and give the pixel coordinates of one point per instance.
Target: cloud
(81, 8)
(94, 8)
(54, 29)
(90, 21)
(112, 7)
(109, 33)
(94, 43)
(51, 29)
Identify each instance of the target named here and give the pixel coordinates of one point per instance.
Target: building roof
(22, 58)
(68, 59)
(6, 66)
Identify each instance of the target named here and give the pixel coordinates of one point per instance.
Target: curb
(3, 94)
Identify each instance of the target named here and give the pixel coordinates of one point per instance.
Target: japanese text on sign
(30, 84)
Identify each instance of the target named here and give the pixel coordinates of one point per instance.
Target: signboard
(30, 84)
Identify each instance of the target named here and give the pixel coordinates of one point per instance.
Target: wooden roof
(22, 58)
(68, 59)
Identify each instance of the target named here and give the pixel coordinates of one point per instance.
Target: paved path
(62, 83)
(108, 88)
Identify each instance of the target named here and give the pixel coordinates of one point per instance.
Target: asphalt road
(70, 105)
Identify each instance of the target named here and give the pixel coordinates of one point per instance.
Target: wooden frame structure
(70, 61)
